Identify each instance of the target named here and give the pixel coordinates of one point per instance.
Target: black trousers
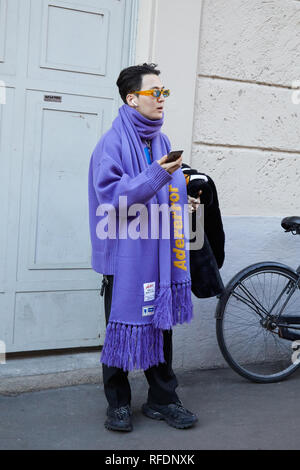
(161, 379)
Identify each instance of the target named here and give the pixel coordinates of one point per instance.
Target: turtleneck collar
(146, 128)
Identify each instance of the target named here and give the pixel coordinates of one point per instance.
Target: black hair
(130, 79)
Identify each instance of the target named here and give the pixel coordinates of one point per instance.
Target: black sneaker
(119, 419)
(174, 414)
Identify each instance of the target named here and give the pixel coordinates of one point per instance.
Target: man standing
(148, 284)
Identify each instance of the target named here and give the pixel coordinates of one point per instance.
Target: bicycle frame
(255, 305)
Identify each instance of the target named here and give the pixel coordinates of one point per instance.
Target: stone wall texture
(246, 126)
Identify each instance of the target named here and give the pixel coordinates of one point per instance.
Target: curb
(12, 386)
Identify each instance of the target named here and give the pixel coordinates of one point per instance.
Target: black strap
(103, 285)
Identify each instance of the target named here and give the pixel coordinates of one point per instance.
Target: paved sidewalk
(233, 414)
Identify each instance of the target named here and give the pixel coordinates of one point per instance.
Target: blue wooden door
(59, 61)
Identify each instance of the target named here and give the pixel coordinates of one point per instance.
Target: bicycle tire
(223, 302)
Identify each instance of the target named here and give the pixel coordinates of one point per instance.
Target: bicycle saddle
(291, 224)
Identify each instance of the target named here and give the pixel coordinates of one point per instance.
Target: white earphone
(134, 103)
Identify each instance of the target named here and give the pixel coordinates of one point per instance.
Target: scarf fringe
(173, 305)
(187, 304)
(131, 347)
(182, 302)
(163, 317)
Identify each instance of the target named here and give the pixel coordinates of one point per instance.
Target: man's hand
(170, 167)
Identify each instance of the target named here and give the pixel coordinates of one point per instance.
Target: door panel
(59, 139)
(9, 10)
(78, 40)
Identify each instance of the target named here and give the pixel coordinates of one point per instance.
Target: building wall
(232, 70)
(246, 128)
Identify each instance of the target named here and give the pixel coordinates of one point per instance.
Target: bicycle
(258, 319)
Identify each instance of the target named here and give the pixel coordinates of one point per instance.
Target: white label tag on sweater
(149, 310)
(149, 291)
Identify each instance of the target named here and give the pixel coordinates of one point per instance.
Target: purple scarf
(152, 283)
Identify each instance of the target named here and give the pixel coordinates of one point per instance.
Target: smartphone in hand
(173, 156)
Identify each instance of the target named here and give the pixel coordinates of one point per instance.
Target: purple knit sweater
(106, 182)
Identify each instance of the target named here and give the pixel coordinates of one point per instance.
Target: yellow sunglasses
(154, 93)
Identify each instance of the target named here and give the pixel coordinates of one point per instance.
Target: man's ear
(129, 98)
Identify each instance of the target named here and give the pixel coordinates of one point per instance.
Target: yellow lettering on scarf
(179, 243)
(180, 264)
(180, 261)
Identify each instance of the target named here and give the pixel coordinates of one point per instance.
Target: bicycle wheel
(246, 317)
